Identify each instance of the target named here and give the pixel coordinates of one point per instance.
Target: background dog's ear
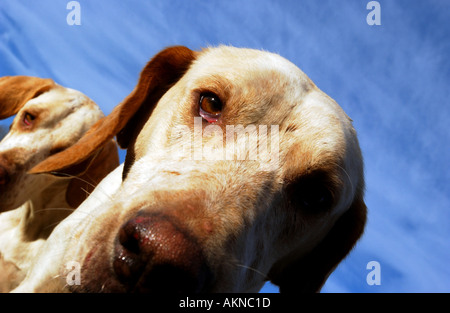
(15, 91)
(156, 78)
(309, 273)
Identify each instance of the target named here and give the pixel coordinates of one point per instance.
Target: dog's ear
(15, 91)
(165, 69)
(90, 172)
(309, 273)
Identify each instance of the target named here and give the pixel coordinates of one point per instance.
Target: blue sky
(392, 80)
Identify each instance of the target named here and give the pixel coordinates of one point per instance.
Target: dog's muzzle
(154, 253)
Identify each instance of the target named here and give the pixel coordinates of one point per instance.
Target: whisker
(64, 209)
(87, 192)
(73, 176)
(87, 215)
(252, 269)
(98, 189)
(348, 176)
(56, 223)
(81, 179)
(52, 225)
(53, 209)
(85, 181)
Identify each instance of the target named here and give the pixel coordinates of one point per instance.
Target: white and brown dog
(49, 118)
(171, 220)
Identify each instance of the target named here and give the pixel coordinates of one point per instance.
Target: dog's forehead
(259, 87)
(58, 98)
(240, 62)
(58, 104)
(293, 97)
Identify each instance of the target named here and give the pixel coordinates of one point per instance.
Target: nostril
(129, 260)
(129, 241)
(127, 266)
(153, 253)
(4, 177)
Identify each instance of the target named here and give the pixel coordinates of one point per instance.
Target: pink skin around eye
(26, 121)
(209, 117)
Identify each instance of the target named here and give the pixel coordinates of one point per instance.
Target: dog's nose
(4, 177)
(153, 253)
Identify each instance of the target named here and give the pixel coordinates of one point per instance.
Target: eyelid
(210, 118)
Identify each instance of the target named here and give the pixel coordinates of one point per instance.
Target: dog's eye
(28, 119)
(312, 196)
(315, 198)
(210, 107)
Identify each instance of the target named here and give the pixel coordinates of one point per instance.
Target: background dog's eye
(210, 107)
(28, 119)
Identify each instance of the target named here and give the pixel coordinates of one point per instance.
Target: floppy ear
(156, 78)
(15, 91)
(309, 273)
(90, 172)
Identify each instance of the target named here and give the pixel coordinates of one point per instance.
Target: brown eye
(210, 107)
(28, 119)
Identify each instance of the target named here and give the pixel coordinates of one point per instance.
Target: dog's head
(239, 170)
(49, 118)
